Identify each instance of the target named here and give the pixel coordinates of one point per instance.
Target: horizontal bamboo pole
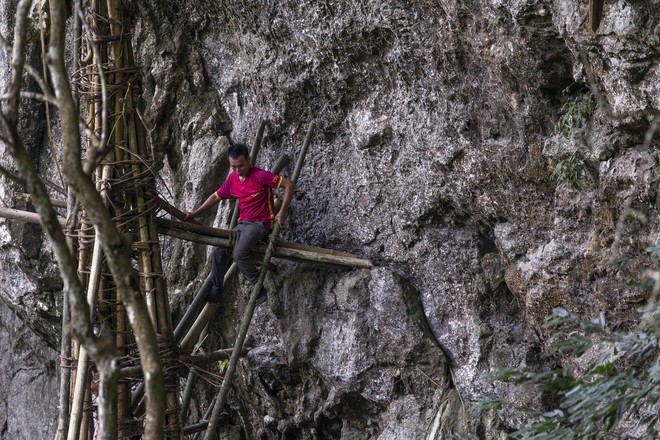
(291, 251)
(219, 237)
(197, 427)
(24, 216)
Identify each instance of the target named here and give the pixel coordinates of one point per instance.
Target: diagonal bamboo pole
(192, 377)
(249, 311)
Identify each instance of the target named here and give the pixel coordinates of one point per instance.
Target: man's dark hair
(237, 150)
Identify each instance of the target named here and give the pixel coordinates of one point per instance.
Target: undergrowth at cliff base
(608, 385)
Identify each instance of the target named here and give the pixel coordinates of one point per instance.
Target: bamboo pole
(83, 358)
(87, 421)
(191, 381)
(198, 326)
(24, 216)
(249, 309)
(93, 283)
(119, 134)
(197, 427)
(283, 251)
(214, 236)
(193, 309)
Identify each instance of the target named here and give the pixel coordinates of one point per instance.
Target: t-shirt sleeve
(223, 192)
(269, 179)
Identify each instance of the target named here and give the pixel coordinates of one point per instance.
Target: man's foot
(215, 294)
(262, 298)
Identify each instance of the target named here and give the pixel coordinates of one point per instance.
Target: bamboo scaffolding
(149, 252)
(128, 174)
(214, 236)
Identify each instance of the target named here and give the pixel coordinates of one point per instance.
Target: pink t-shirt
(254, 194)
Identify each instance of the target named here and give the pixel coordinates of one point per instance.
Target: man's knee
(241, 254)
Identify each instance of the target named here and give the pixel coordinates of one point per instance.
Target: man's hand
(211, 201)
(281, 218)
(289, 187)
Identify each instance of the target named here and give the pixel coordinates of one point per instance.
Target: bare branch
(4, 43)
(18, 60)
(34, 73)
(50, 99)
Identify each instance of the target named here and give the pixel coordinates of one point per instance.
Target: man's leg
(250, 234)
(219, 258)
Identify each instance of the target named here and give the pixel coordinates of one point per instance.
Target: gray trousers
(249, 235)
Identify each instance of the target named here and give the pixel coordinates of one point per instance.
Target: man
(252, 187)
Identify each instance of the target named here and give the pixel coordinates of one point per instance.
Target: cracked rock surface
(433, 157)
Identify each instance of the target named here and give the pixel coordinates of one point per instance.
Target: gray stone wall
(29, 382)
(433, 157)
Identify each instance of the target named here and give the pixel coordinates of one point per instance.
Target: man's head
(239, 159)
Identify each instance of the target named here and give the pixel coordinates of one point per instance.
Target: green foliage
(569, 173)
(575, 113)
(622, 382)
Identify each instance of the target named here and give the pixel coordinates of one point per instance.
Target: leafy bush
(620, 383)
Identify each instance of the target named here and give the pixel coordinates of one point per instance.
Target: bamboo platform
(202, 234)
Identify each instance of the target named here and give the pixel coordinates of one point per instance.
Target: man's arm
(288, 186)
(211, 201)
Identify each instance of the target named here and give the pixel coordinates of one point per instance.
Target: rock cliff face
(437, 139)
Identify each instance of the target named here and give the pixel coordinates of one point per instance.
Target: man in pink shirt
(253, 189)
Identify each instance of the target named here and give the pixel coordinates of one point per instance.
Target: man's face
(241, 165)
